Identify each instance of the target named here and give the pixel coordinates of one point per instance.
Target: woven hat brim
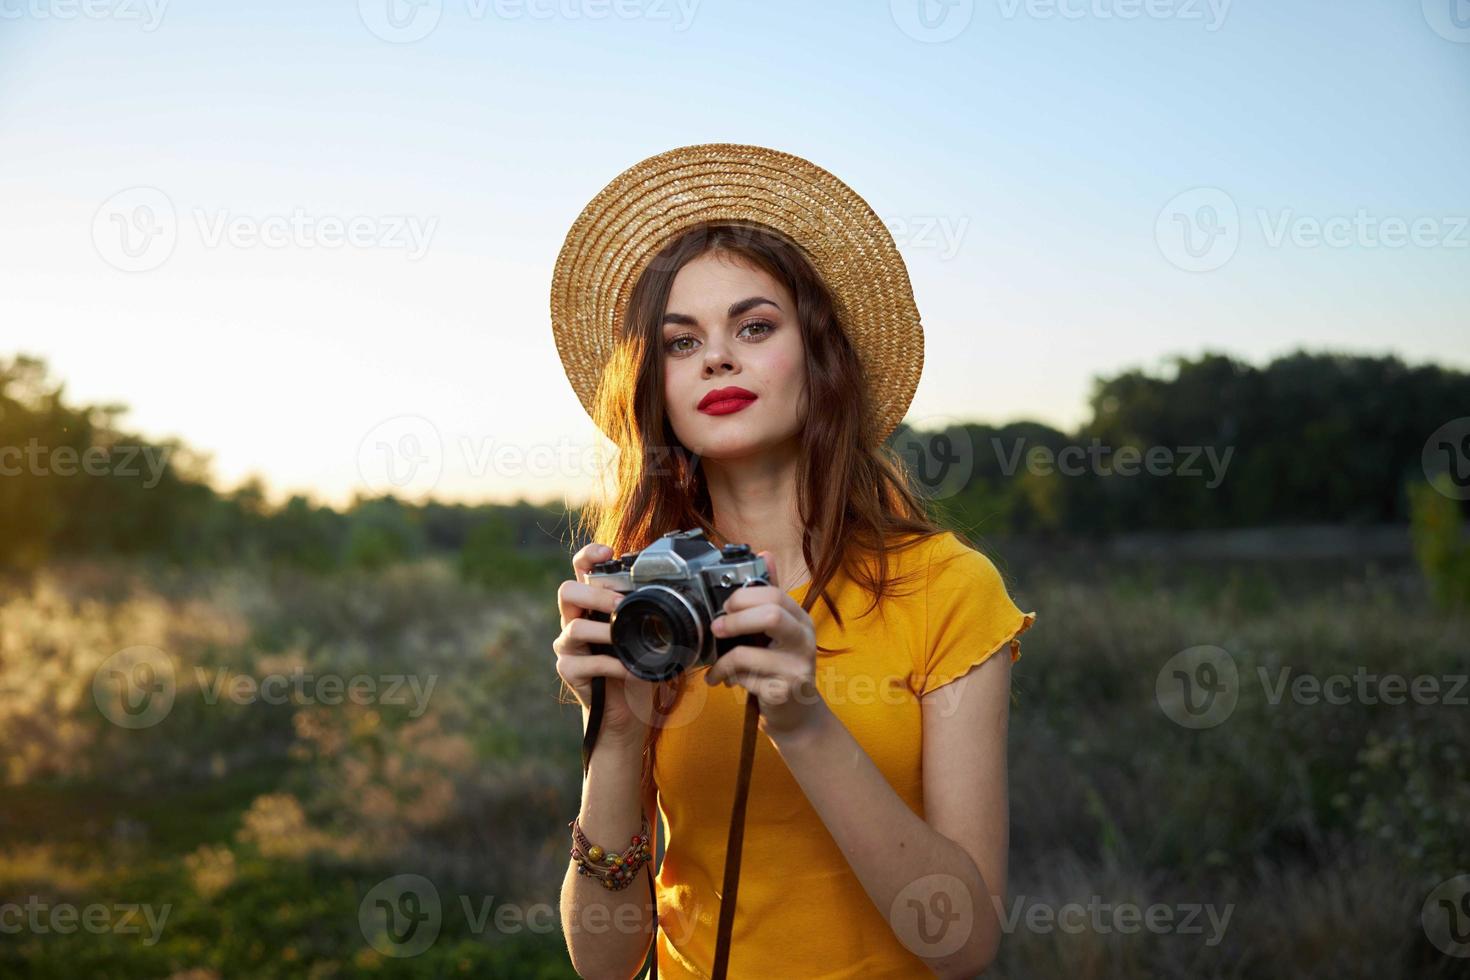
(619, 232)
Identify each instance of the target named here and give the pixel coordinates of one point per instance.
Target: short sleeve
(969, 614)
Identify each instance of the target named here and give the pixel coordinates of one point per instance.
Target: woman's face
(730, 324)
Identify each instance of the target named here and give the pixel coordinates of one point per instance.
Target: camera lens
(656, 635)
(655, 632)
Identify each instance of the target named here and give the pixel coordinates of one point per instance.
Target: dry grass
(1320, 827)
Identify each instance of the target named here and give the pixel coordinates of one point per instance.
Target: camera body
(672, 591)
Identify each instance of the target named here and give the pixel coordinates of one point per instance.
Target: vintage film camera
(673, 590)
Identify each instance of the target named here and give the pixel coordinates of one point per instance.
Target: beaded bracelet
(615, 870)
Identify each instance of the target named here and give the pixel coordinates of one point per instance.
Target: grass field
(245, 830)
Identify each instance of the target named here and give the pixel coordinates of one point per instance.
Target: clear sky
(1078, 187)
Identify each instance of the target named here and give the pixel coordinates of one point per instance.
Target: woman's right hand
(577, 664)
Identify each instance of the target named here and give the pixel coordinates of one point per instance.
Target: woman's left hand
(783, 675)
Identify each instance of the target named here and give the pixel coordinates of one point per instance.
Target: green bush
(494, 558)
(1439, 542)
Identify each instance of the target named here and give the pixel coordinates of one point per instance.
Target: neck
(754, 503)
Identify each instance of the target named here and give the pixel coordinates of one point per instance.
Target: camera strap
(734, 842)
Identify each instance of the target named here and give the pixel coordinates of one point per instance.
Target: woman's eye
(760, 327)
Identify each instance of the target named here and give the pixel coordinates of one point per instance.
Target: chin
(730, 446)
(723, 437)
(733, 443)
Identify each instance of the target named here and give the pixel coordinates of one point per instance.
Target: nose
(717, 357)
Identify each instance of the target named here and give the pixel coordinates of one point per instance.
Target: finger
(590, 555)
(578, 635)
(757, 595)
(770, 618)
(577, 670)
(575, 598)
(747, 665)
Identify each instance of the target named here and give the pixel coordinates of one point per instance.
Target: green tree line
(1206, 442)
(1211, 442)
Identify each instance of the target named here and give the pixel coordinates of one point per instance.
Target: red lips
(723, 401)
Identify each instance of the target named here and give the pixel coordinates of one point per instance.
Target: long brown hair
(855, 496)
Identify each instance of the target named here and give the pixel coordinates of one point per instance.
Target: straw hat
(647, 205)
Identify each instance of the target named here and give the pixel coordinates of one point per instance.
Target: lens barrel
(656, 632)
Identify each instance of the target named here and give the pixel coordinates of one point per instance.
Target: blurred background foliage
(1306, 439)
(153, 499)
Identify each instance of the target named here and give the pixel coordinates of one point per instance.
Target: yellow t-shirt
(801, 911)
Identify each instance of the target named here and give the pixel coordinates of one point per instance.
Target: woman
(741, 326)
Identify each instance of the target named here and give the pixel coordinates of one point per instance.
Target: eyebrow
(735, 310)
